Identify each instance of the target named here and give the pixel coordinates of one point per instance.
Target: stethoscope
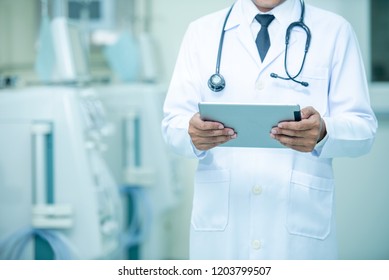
(217, 82)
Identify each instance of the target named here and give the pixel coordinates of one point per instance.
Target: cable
(13, 247)
(141, 221)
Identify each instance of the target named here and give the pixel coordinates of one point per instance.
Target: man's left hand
(301, 136)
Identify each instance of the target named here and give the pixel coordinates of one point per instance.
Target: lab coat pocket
(310, 205)
(316, 94)
(315, 73)
(211, 200)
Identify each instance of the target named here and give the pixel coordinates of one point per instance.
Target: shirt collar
(282, 13)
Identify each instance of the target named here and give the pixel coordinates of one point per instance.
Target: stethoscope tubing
(217, 82)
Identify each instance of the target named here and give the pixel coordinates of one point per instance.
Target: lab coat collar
(235, 17)
(286, 13)
(281, 13)
(246, 10)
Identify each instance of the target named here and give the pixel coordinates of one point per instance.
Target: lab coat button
(256, 244)
(257, 189)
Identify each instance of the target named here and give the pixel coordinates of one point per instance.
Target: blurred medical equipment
(136, 152)
(149, 69)
(45, 60)
(130, 50)
(8, 81)
(96, 14)
(123, 57)
(61, 52)
(57, 197)
(140, 160)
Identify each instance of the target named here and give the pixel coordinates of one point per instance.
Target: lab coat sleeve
(350, 122)
(182, 99)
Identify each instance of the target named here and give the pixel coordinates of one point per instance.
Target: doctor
(269, 203)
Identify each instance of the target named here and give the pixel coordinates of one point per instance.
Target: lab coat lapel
(277, 47)
(246, 38)
(243, 32)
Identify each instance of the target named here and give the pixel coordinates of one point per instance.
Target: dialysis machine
(57, 198)
(142, 163)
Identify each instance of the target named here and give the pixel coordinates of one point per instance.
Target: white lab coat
(269, 203)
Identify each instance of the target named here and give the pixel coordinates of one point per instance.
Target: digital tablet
(251, 122)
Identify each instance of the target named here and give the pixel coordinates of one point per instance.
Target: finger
(310, 133)
(302, 125)
(215, 133)
(206, 125)
(199, 128)
(200, 124)
(296, 147)
(216, 142)
(310, 119)
(288, 132)
(287, 141)
(303, 143)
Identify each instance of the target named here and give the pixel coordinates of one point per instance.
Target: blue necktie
(263, 39)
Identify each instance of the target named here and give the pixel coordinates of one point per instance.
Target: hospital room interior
(84, 170)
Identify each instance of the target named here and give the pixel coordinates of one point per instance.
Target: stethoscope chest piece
(216, 82)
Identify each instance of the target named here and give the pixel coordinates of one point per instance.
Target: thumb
(307, 112)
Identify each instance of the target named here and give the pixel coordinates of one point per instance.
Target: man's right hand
(206, 135)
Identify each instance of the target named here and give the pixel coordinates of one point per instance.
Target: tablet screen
(251, 122)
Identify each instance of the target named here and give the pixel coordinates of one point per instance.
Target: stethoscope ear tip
(305, 84)
(275, 76)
